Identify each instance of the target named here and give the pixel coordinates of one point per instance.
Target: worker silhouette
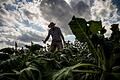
(57, 37)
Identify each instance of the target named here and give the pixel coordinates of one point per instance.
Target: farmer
(57, 37)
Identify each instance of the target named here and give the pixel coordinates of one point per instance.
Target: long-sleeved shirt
(56, 34)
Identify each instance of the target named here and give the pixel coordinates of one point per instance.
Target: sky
(23, 21)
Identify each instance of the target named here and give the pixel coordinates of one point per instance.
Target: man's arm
(62, 36)
(47, 37)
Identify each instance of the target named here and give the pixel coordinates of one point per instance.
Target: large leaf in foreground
(83, 31)
(30, 74)
(78, 30)
(67, 72)
(9, 76)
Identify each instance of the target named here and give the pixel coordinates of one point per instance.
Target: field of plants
(90, 57)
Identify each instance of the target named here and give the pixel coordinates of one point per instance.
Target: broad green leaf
(116, 75)
(85, 71)
(30, 74)
(14, 63)
(9, 76)
(95, 26)
(78, 29)
(65, 72)
(61, 74)
(83, 65)
(116, 69)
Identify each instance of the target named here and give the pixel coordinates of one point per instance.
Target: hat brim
(51, 24)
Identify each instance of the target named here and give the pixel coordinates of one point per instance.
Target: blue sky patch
(22, 1)
(117, 3)
(10, 7)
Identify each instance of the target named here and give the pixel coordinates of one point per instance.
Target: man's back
(55, 33)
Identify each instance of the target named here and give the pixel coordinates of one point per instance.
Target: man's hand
(64, 42)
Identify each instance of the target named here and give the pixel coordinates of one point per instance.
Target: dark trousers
(56, 45)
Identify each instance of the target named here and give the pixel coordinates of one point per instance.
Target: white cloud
(19, 23)
(106, 12)
(68, 1)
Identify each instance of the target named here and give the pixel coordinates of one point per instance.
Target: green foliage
(9, 76)
(66, 73)
(10, 64)
(95, 26)
(30, 74)
(101, 47)
(78, 31)
(62, 74)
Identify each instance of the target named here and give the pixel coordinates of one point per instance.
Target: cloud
(2, 23)
(21, 24)
(81, 9)
(106, 12)
(57, 11)
(2, 1)
(28, 37)
(3, 12)
(87, 2)
(117, 3)
(24, 21)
